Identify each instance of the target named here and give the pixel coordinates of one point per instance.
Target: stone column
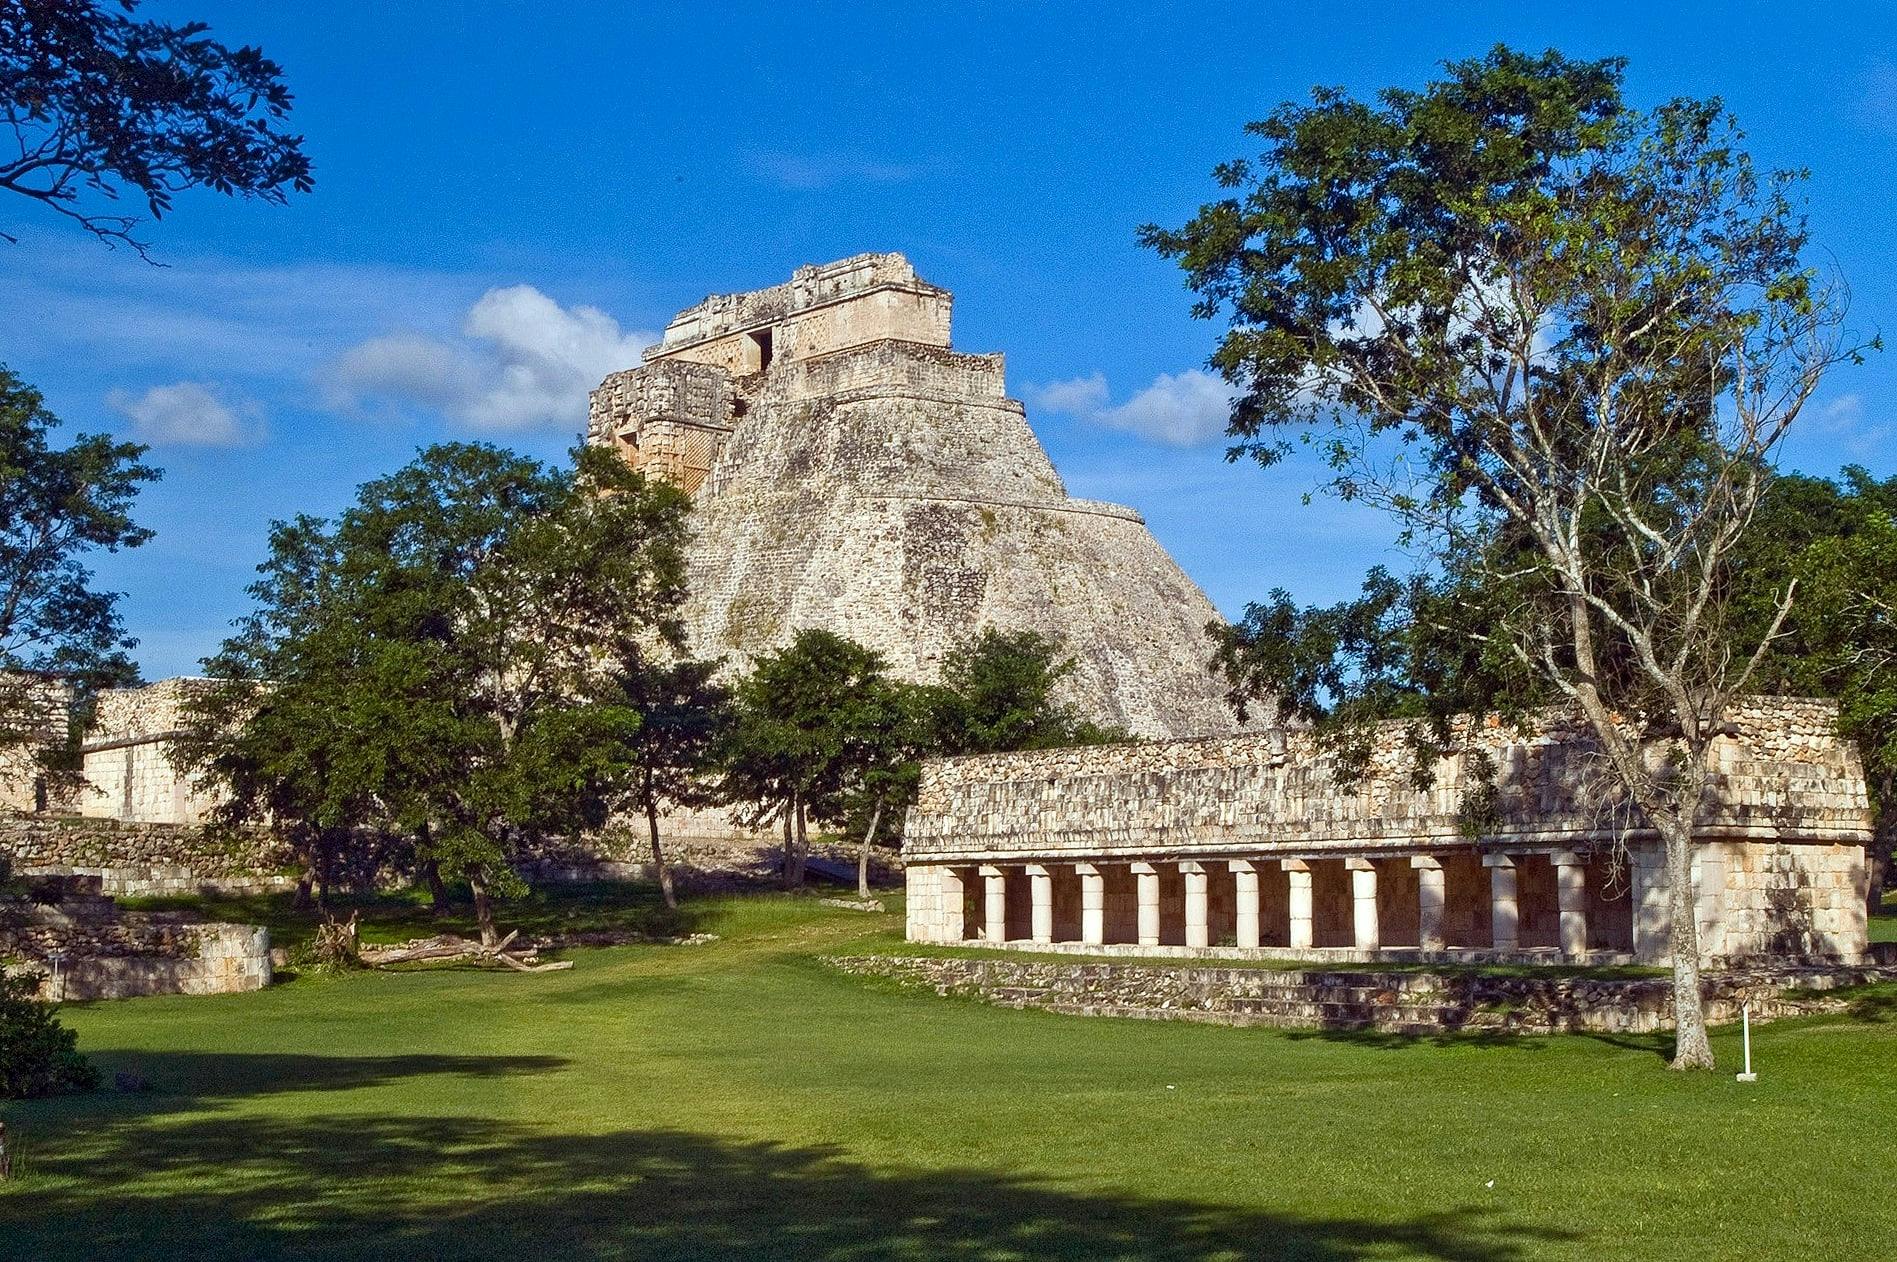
(1093, 904)
(1363, 894)
(1709, 897)
(1653, 917)
(1148, 877)
(1504, 914)
(1570, 882)
(1429, 902)
(1041, 889)
(1245, 881)
(1298, 873)
(1198, 930)
(949, 890)
(995, 904)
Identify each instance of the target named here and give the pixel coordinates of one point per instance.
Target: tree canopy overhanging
(98, 102)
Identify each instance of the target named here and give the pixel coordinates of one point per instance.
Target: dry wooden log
(451, 947)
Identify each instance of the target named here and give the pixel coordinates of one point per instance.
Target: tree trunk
(1691, 1048)
(437, 890)
(1877, 856)
(790, 844)
(483, 910)
(862, 860)
(1877, 863)
(658, 855)
(801, 846)
(303, 900)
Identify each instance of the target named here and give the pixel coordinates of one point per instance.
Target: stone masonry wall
(1783, 775)
(1392, 1002)
(126, 756)
(141, 859)
(87, 949)
(1779, 873)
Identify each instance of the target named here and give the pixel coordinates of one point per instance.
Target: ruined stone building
(851, 471)
(1250, 846)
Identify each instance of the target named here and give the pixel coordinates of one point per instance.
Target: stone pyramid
(851, 471)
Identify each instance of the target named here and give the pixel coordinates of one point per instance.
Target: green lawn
(739, 1098)
(1884, 927)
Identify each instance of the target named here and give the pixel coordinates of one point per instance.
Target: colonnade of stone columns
(1296, 926)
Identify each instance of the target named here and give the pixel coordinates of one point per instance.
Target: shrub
(38, 1055)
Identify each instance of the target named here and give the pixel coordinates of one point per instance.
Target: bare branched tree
(1560, 340)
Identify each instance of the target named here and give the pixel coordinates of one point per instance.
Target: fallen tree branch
(452, 947)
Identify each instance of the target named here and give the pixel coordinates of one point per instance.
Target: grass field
(740, 1098)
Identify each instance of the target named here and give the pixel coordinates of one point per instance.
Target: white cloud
(189, 414)
(1844, 422)
(522, 360)
(1186, 409)
(1842, 413)
(808, 172)
(1083, 396)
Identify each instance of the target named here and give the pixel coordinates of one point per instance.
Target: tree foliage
(807, 720)
(667, 755)
(38, 1055)
(57, 506)
(98, 102)
(1559, 339)
(1001, 692)
(436, 663)
(1837, 541)
(821, 732)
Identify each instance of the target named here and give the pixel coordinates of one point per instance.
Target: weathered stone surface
(139, 859)
(1390, 1002)
(126, 757)
(854, 473)
(85, 948)
(1779, 871)
(1783, 775)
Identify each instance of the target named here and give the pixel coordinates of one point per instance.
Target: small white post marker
(1745, 1015)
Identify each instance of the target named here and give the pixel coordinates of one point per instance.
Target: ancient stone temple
(853, 472)
(1250, 846)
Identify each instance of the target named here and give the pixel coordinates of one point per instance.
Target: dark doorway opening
(761, 341)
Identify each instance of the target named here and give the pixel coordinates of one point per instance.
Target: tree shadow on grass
(444, 1188)
(180, 1081)
(1391, 1040)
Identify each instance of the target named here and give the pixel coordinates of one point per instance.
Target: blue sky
(511, 195)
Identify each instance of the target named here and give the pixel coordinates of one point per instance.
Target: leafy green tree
(97, 101)
(1542, 327)
(57, 506)
(805, 721)
(1000, 692)
(668, 755)
(433, 663)
(883, 784)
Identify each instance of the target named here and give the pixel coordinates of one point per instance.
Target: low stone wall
(698, 857)
(1369, 1000)
(138, 859)
(85, 948)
